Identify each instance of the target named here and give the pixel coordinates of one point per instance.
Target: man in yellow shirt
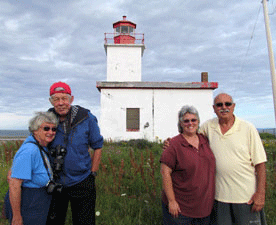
(240, 165)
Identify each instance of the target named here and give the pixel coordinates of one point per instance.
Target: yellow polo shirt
(236, 152)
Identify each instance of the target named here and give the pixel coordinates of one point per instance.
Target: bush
(267, 136)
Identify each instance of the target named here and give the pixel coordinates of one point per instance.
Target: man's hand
(257, 201)
(166, 143)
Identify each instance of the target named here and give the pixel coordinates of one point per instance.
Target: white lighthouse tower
(124, 52)
(136, 109)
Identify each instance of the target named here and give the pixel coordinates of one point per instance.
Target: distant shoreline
(12, 138)
(11, 135)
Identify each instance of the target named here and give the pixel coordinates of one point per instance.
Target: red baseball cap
(60, 87)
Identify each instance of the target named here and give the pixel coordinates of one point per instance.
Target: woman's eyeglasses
(54, 129)
(220, 104)
(188, 121)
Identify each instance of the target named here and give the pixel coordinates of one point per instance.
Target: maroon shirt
(193, 175)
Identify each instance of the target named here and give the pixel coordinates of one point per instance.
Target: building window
(133, 119)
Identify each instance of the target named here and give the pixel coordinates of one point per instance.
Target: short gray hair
(52, 96)
(186, 109)
(40, 118)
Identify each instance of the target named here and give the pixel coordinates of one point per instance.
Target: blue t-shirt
(28, 165)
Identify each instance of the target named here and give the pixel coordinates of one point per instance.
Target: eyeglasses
(188, 121)
(54, 129)
(220, 104)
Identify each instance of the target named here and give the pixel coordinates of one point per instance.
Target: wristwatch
(94, 174)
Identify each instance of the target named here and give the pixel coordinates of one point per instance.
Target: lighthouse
(136, 109)
(124, 49)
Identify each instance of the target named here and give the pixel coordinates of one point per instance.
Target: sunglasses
(220, 104)
(54, 129)
(188, 121)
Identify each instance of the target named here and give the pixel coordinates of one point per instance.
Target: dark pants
(236, 214)
(168, 219)
(82, 197)
(35, 203)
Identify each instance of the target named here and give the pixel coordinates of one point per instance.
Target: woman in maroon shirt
(188, 174)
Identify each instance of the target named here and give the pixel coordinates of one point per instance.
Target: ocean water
(14, 133)
(26, 133)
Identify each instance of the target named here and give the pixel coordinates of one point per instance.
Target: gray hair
(42, 117)
(186, 109)
(52, 96)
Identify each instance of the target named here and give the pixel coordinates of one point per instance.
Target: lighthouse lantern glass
(124, 29)
(131, 30)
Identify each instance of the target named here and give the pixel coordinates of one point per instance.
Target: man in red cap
(77, 131)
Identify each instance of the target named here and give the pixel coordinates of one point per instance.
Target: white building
(132, 109)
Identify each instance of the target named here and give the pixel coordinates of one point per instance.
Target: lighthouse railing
(109, 37)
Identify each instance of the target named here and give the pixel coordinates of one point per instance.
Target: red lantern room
(124, 31)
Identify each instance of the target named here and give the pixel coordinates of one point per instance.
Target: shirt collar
(233, 129)
(185, 143)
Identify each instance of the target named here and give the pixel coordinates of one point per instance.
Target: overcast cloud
(42, 42)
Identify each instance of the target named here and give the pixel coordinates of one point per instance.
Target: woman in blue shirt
(28, 199)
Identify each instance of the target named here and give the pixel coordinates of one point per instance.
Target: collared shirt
(236, 152)
(193, 175)
(28, 165)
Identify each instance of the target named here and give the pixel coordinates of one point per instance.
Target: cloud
(42, 42)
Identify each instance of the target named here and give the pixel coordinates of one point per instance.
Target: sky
(42, 42)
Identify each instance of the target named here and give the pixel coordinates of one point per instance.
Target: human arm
(95, 142)
(9, 176)
(166, 171)
(96, 159)
(166, 143)
(15, 200)
(258, 199)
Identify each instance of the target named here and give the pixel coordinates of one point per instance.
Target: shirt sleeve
(23, 163)
(95, 137)
(257, 151)
(168, 157)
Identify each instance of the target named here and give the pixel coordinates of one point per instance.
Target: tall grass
(7, 152)
(129, 182)
(270, 207)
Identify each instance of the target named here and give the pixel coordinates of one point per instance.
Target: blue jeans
(168, 219)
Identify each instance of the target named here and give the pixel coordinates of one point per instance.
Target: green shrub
(267, 136)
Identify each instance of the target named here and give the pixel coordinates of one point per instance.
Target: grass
(129, 182)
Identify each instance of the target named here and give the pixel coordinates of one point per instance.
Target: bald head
(224, 107)
(222, 95)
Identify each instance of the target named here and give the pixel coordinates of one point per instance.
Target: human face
(62, 103)
(224, 110)
(189, 124)
(44, 135)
